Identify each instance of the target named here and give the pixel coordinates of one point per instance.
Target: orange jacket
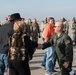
(48, 32)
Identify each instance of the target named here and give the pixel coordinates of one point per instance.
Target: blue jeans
(49, 59)
(44, 60)
(3, 63)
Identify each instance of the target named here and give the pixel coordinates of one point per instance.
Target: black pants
(17, 67)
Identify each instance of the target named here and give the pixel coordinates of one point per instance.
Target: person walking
(63, 46)
(50, 55)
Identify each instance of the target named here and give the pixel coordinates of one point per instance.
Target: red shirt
(48, 32)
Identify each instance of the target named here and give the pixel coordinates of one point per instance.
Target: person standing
(74, 29)
(7, 20)
(35, 31)
(28, 27)
(20, 50)
(6, 31)
(43, 25)
(66, 25)
(50, 56)
(63, 46)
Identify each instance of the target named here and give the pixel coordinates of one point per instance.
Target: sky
(38, 8)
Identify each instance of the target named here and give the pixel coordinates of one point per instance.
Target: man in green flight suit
(65, 24)
(63, 46)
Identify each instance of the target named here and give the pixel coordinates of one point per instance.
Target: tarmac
(35, 63)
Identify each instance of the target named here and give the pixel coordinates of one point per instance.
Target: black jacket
(6, 31)
(30, 45)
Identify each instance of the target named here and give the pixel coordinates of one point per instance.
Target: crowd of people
(19, 40)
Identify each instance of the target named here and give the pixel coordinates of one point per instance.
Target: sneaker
(43, 67)
(48, 74)
(56, 67)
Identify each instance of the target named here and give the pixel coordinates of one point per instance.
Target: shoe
(56, 67)
(43, 67)
(48, 74)
(54, 71)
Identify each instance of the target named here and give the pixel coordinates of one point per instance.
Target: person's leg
(44, 61)
(6, 62)
(54, 57)
(25, 69)
(36, 38)
(75, 38)
(20, 67)
(7, 72)
(2, 64)
(50, 60)
(2, 68)
(12, 70)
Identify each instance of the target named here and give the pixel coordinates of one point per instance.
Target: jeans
(44, 60)
(3, 63)
(49, 59)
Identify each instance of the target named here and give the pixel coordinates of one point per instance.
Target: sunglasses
(56, 26)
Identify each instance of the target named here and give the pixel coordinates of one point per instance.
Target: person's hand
(40, 46)
(66, 64)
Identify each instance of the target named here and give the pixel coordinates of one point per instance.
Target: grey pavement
(35, 63)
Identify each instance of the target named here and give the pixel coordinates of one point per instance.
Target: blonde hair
(19, 26)
(19, 29)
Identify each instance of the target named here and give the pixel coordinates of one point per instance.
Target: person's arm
(67, 24)
(30, 45)
(46, 44)
(38, 30)
(29, 42)
(73, 25)
(68, 51)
